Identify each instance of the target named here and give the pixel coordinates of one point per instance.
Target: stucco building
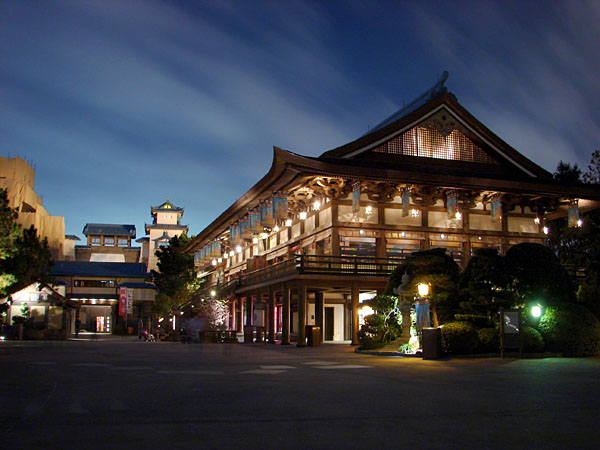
(18, 178)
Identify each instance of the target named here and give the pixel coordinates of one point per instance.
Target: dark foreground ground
(126, 394)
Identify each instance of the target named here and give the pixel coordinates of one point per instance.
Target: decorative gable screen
(427, 142)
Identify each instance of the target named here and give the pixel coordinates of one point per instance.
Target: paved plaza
(117, 394)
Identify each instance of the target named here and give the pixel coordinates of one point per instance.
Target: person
(145, 334)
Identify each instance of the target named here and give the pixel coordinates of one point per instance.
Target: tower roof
(167, 206)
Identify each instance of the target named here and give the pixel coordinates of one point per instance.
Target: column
(301, 315)
(233, 304)
(271, 318)
(355, 292)
(285, 316)
(248, 335)
(319, 304)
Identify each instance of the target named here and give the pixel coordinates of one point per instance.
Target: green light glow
(536, 311)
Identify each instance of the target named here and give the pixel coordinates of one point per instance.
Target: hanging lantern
(266, 213)
(234, 233)
(245, 232)
(496, 208)
(405, 202)
(574, 214)
(356, 197)
(451, 205)
(254, 219)
(280, 205)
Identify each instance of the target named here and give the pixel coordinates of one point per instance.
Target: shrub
(459, 338)
(533, 342)
(489, 340)
(570, 329)
(537, 273)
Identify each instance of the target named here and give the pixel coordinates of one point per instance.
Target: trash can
(313, 335)
(432, 343)
(248, 334)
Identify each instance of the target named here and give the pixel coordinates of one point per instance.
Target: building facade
(166, 223)
(96, 287)
(18, 178)
(108, 243)
(316, 235)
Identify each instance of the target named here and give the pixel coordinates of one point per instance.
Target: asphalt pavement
(114, 394)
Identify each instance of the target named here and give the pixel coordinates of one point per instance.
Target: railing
(324, 265)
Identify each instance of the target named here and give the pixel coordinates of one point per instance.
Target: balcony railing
(324, 265)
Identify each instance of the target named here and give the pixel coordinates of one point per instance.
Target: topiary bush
(533, 342)
(570, 329)
(459, 338)
(489, 340)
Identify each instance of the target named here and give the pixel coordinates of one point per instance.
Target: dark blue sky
(120, 103)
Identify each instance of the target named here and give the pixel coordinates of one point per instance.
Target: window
(426, 141)
(96, 242)
(94, 283)
(162, 244)
(109, 242)
(122, 242)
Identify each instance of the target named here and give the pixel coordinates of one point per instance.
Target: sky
(119, 104)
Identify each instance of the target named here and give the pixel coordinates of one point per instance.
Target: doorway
(328, 323)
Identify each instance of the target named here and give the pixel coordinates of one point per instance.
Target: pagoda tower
(166, 223)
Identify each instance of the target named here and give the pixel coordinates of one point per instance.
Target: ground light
(536, 311)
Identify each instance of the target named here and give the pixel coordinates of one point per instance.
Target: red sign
(122, 301)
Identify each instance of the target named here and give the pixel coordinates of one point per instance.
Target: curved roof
(510, 172)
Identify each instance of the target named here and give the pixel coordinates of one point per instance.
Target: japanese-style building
(317, 234)
(166, 223)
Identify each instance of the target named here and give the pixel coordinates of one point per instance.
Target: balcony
(323, 265)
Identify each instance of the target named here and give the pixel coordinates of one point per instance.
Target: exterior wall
(17, 176)
(154, 234)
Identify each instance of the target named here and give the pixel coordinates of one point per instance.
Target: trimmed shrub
(570, 329)
(533, 342)
(459, 338)
(489, 340)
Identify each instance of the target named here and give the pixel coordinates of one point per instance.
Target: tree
(565, 173)
(9, 230)
(538, 274)
(439, 270)
(485, 288)
(593, 173)
(32, 262)
(24, 258)
(175, 279)
(577, 246)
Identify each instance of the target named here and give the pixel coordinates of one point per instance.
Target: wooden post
(355, 294)
(301, 315)
(285, 326)
(271, 319)
(319, 304)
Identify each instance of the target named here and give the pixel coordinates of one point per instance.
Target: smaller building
(51, 314)
(96, 287)
(108, 242)
(166, 223)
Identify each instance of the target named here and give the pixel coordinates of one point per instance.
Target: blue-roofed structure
(108, 242)
(99, 269)
(109, 229)
(99, 286)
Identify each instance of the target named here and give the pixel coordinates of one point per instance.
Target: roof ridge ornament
(437, 89)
